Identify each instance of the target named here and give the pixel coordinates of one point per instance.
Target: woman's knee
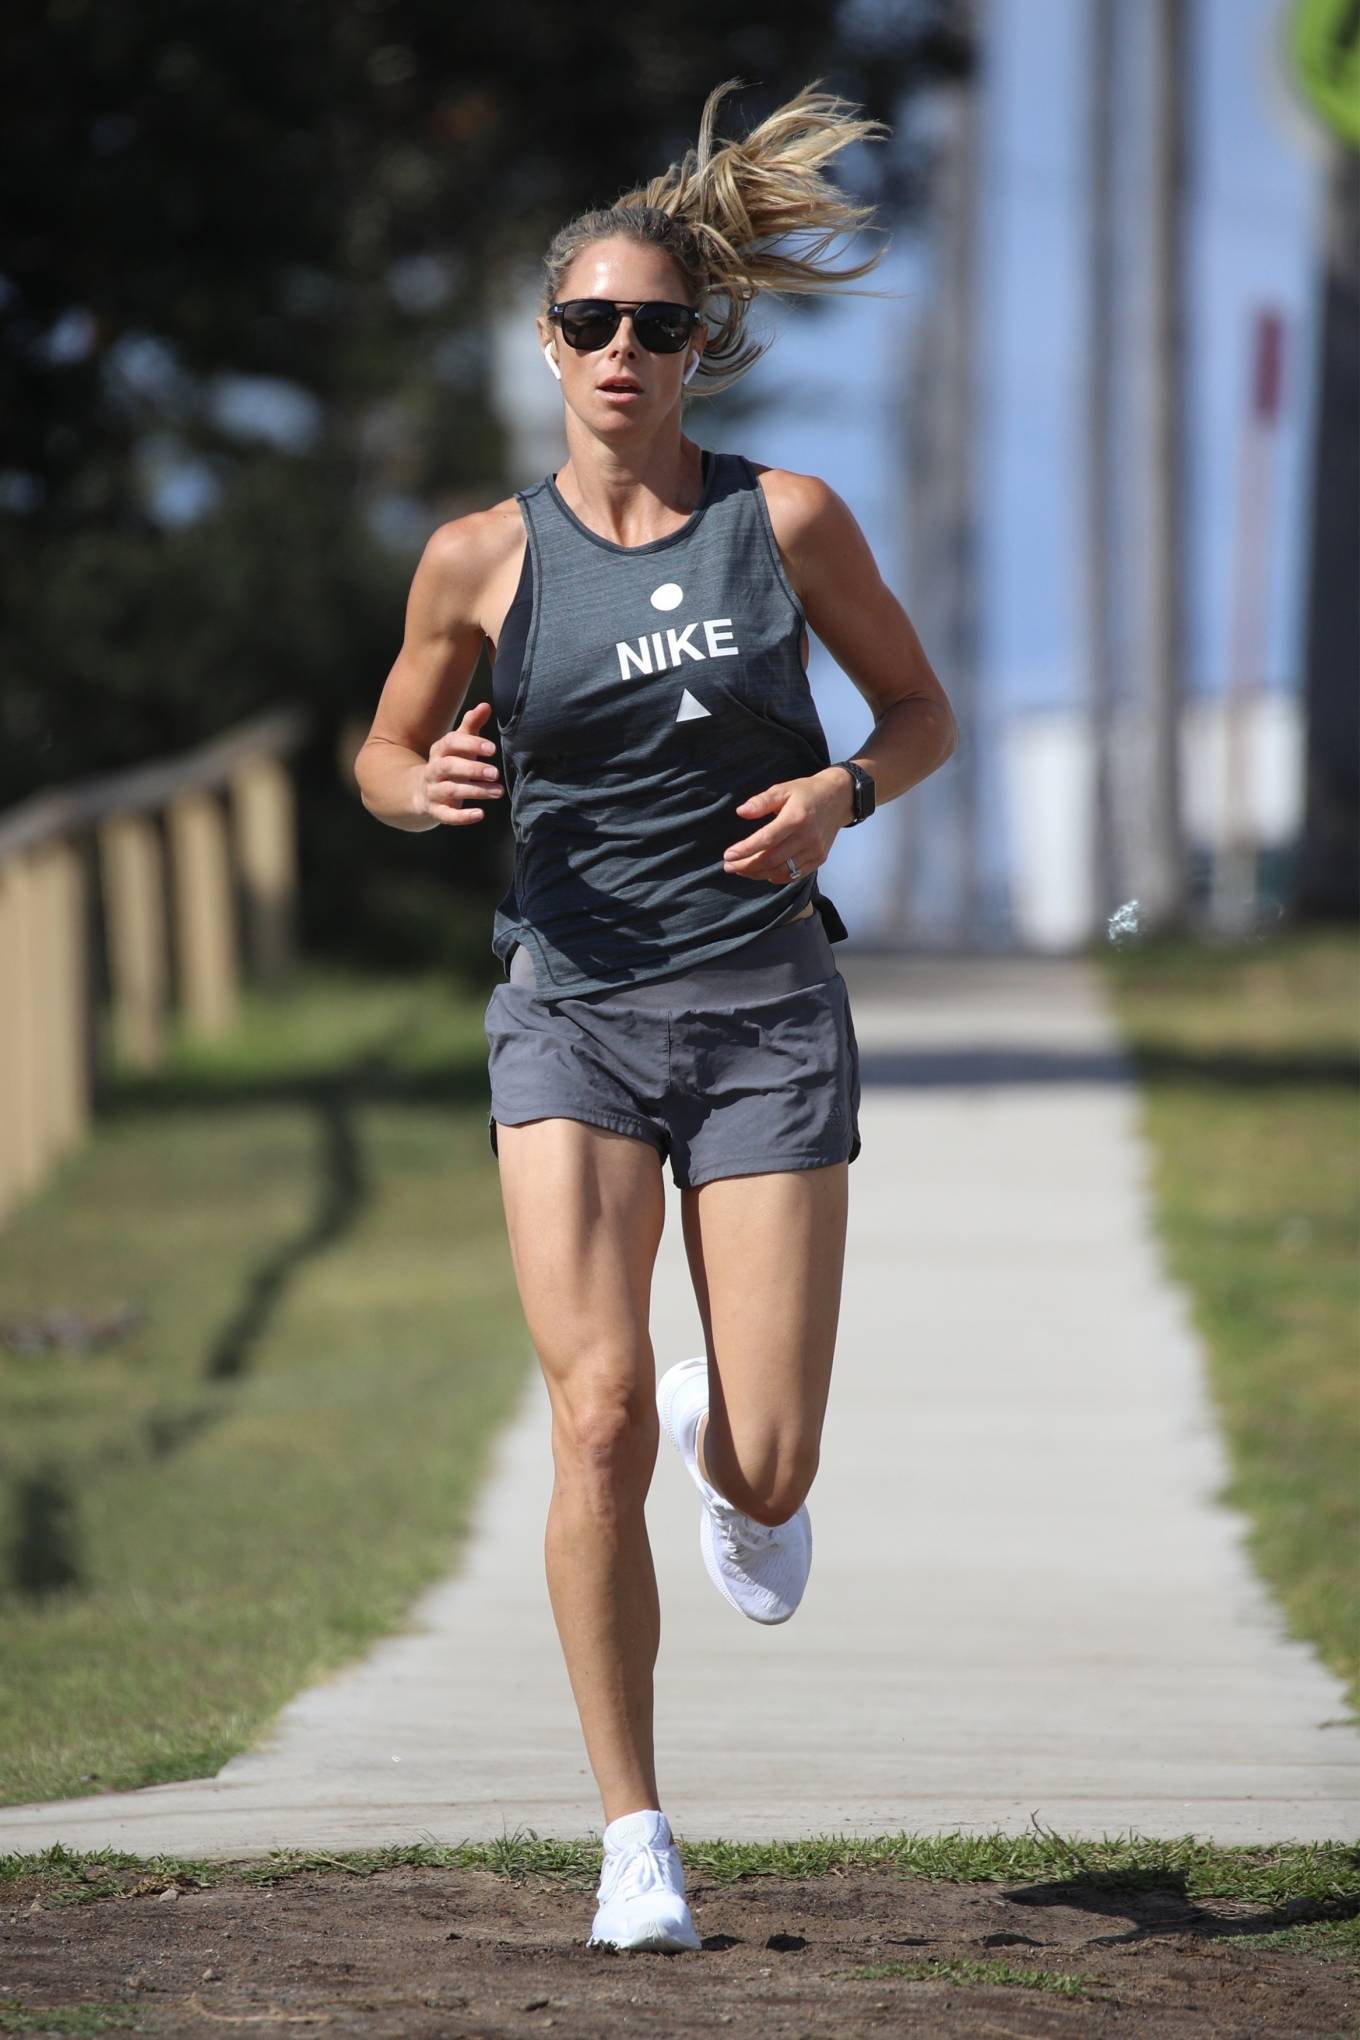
(775, 1476)
(785, 1496)
(605, 1434)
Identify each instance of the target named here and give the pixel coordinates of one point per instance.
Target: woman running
(670, 990)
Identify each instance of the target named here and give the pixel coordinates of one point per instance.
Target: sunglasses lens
(588, 325)
(663, 329)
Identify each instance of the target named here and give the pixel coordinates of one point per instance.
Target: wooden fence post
(132, 869)
(31, 1021)
(205, 917)
(12, 1183)
(68, 1098)
(265, 833)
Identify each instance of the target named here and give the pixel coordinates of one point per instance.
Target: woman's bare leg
(766, 1256)
(585, 1208)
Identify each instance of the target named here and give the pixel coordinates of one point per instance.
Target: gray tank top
(658, 687)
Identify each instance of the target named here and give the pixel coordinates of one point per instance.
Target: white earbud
(692, 364)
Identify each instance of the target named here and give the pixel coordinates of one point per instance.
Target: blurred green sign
(1326, 39)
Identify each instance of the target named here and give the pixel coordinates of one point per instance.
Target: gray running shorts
(746, 1063)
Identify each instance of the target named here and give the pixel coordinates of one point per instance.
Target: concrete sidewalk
(1026, 1604)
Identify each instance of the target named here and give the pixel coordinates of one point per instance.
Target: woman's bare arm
(835, 577)
(413, 771)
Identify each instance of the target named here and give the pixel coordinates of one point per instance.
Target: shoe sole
(658, 1944)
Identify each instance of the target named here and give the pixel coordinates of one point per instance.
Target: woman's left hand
(808, 814)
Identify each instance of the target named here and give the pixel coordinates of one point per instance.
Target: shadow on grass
(371, 1078)
(923, 1068)
(44, 1540)
(1156, 1904)
(342, 1192)
(998, 1064)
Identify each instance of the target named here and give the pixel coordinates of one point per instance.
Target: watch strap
(859, 780)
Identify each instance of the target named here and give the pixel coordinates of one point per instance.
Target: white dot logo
(668, 596)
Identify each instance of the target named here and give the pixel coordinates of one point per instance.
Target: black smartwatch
(863, 785)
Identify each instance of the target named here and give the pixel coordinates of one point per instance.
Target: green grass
(250, 1488)
(1250, 1102)
(1062, 1982)
(1279, 1876)
(75, 2020)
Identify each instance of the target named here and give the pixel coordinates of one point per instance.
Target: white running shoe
(761, 1568)
(642, 1887)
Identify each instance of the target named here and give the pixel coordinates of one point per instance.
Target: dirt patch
(423, 1953)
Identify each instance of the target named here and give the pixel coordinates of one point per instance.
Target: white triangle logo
(689, 707)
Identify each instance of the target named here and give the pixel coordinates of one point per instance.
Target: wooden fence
(123, 898)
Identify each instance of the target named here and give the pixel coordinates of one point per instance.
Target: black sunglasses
(589, 323)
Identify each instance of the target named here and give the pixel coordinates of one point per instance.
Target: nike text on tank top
(657, 687)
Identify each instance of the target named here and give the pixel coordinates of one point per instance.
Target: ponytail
(721, 210)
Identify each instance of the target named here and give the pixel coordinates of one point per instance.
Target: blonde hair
(722, 211)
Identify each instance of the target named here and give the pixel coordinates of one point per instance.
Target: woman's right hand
(460, 771)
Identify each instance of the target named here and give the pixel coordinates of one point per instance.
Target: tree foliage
(248, 256)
